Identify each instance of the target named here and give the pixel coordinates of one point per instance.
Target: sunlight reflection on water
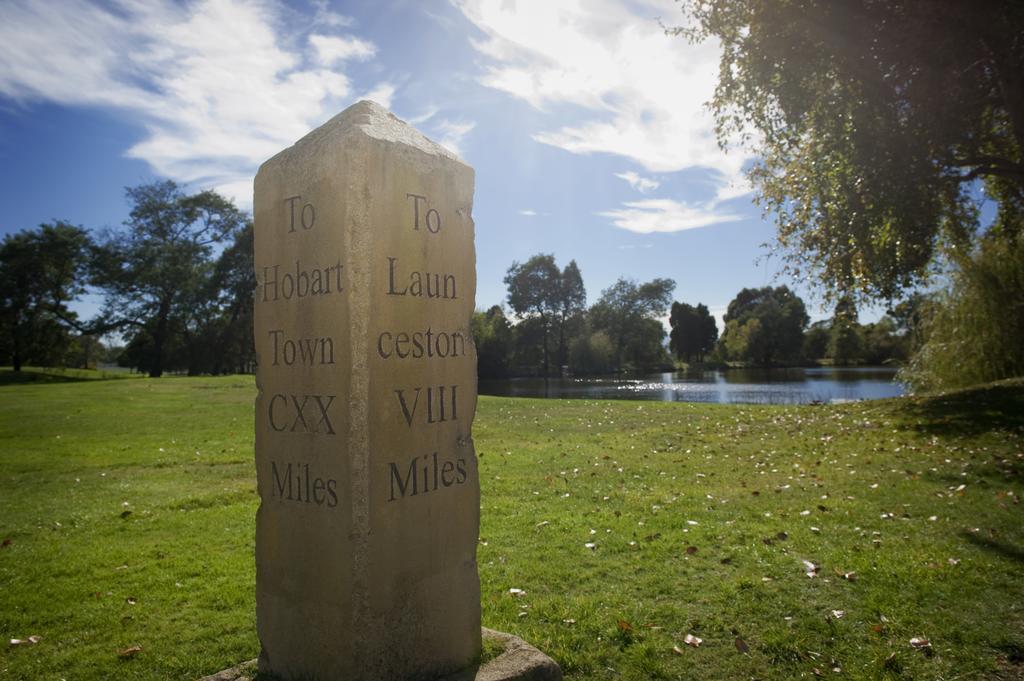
(765, 386)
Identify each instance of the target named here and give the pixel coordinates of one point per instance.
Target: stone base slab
(519, 662)
(242, 672)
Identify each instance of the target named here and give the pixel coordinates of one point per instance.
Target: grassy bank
(127, 515)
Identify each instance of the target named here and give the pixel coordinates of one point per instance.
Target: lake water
(734, 386)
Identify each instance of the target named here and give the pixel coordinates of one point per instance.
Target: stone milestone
(369, 497)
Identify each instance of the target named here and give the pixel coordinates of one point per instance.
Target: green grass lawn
(127, 513)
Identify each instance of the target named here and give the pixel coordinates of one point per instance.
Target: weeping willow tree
(873, 122)
(880, 129)
(975, 331)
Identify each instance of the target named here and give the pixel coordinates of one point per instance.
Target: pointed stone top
(375, 121)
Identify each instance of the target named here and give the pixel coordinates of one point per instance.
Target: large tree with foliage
(41, 272)
(554, 298)
(533, 289)
(872, 121)
(628, 313)
(572, 305)
(816, 340)
(492, 335)
(882, 342)
(694, 332)
(846, 343)
(155, 273)
(765, 326)
(220, 332)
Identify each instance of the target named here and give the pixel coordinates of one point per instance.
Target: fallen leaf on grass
(7, 542)
(23, 641)
(126, 653)
(922, 644)
(838, 614)
(741, 645)
(624, 626)
(690, 550)
(130, 600)
(516, 592)
(677, 650)
(125, 514)
(811, 569)
(692, 640)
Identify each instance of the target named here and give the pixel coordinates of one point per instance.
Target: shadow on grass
(1002, 548)
(36, 375)
(997, 406)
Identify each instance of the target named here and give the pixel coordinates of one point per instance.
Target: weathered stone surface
(367, 529)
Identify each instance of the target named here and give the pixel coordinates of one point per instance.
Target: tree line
(177, 286)
(551, 331)
(176, 283)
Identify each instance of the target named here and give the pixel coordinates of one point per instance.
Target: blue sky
(585, 123)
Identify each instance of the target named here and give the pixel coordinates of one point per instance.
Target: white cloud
(642, 93)
(665, 215)
(645, 91)
(718, 312)
(325, 16)
(331, 49)
(429, 113)
(528, 212)
(452, 132)
(638, 182)
(215, 84)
